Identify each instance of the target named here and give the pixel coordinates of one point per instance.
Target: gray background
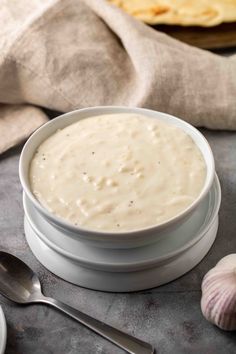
(169, 317)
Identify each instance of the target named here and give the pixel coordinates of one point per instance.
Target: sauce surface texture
(117, 172)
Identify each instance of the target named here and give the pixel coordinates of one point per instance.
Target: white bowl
(103, 238)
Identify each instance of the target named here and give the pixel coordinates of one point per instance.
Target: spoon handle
(131, 344)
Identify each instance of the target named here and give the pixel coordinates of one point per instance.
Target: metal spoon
(21, 285)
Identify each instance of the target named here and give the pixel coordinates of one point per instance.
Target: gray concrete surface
(169, 317)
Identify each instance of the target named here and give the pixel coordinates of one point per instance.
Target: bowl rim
(63, 223)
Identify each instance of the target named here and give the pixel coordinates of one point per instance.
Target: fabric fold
(17, 122)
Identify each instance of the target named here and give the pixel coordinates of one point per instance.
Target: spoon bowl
(17, 281)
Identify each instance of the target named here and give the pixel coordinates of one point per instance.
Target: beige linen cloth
(69, 54)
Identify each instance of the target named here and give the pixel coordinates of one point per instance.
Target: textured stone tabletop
(169, 317)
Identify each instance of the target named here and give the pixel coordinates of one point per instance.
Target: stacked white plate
(128, 269)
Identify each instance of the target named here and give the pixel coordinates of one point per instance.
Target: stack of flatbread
(180, 12)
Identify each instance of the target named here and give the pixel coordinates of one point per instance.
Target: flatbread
(180, 12)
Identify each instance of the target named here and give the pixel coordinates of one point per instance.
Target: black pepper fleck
(118, 225)
(93, 152)
(130, 203)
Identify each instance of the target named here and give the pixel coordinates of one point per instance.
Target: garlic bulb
(218, 301)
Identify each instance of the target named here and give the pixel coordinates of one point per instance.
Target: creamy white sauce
(117, 172)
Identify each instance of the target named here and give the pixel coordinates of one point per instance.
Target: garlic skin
(218, 301)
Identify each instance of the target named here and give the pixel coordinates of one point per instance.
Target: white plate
(119, 281)
(129, 269)
(3, 331)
